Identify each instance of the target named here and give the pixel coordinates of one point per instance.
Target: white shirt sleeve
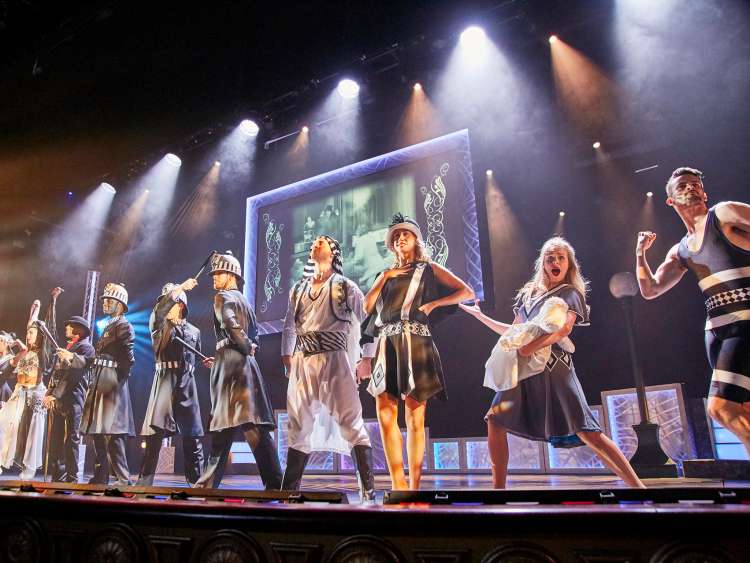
(289, 332)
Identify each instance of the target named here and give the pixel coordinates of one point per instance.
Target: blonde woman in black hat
(239, 399)
(107, 411)
(65, 396)
(407, 364)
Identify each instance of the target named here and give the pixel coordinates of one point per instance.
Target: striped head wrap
(337, 264)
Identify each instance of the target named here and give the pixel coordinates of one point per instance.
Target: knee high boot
(362, 456)
(266, 457)
(295, 467)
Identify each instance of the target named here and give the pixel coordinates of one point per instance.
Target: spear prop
(189, 347)
(206, 262)
(45, 331)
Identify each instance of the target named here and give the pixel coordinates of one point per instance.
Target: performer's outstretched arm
(667, 275)
(492, 324)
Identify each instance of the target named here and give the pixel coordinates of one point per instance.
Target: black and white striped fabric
(173, 364)
(723, 272)
(311, 343)
(105, 363)
(338, 262)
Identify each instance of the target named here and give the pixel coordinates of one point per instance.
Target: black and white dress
(549, 406)
(407, 363)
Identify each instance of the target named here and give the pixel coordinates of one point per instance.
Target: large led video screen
(430, 182)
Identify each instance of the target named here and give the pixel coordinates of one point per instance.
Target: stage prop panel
(431, 182)
(666, 408)
(577, 460)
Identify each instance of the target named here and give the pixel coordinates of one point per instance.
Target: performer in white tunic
(319, 349)
(23, 417)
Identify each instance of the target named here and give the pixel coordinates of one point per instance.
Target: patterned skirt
(407, 363)
(549, 406)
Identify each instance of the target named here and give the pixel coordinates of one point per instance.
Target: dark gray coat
(108, 409)
(173, 404)
(238, 391)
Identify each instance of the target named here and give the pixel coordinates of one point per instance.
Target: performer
(22, 417)
(107, 411)
(549, 406)
(319, 348)
(716, 248)
(407, 363)
(7, 340)
(238, 392)
(173, 405)
(65, 396)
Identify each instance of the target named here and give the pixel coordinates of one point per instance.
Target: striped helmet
(226, 263)
(117, 292)
(338, 263)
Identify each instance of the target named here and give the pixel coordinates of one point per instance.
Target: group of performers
(335, 337)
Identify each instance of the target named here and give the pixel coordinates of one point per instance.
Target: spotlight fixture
(146, 191)
(109, 187)
(173, 159)
(417, 86)
(217, 163)
(70, 194)
(472, 37)
(596, 144)
(562, 213)
(489, 172)
(305, 129)
(249, 128)
(348, 88)
(649, 194)
(552, 38)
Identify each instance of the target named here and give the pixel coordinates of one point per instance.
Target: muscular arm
(734, 214)
(552, 338)
(654, 284)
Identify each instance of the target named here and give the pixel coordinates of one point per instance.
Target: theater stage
(544, 518)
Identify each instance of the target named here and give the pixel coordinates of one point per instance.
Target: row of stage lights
(471, 38)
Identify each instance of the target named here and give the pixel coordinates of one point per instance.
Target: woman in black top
(407, 364)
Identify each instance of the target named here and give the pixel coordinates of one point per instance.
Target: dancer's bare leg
(387, 407)
(497, 444)
(415, 412)
(735, 417)
(612, 456)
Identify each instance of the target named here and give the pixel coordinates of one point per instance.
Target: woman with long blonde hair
(549, 406)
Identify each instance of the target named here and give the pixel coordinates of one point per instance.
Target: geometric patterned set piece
(666, 408)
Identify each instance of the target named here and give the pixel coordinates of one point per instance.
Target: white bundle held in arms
(506, 367)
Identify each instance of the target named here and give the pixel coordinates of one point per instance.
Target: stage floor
(435, 481)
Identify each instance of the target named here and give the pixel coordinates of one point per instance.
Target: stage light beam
(173, 159)
(249, 128)
(348, 88)
(109, 187)
(472, 38)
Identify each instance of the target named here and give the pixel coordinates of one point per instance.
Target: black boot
(295, 467)
(362, 456)
(266, 457)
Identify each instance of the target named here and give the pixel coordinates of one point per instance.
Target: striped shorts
(728, 349)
